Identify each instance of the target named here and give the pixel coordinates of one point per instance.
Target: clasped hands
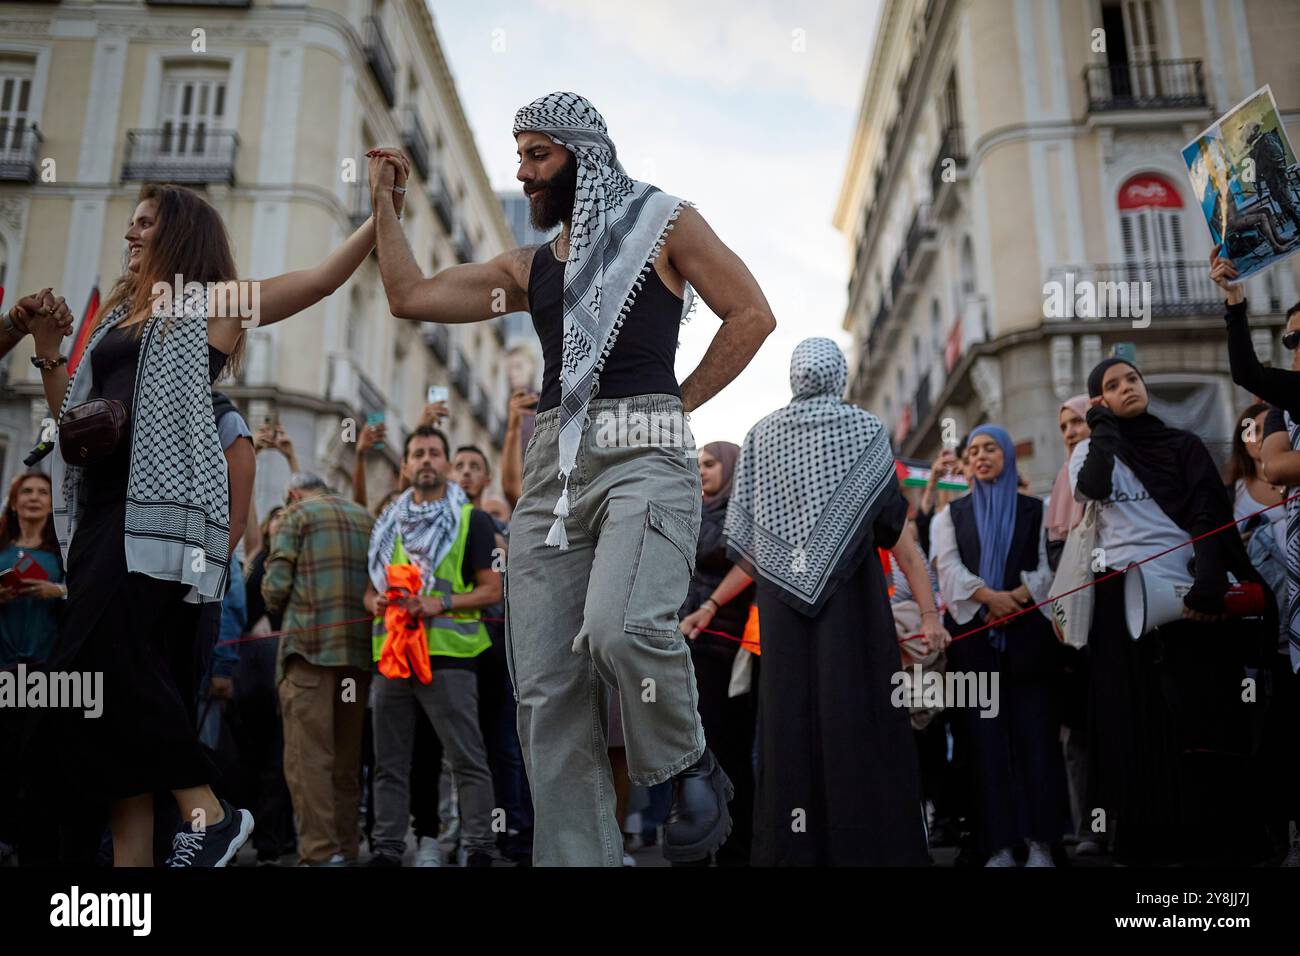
(389, 171)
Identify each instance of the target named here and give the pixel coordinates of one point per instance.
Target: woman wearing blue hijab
(986, 547)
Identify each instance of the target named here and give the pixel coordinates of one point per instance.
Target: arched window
(1151, 230)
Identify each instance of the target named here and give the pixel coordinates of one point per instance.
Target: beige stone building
(1003, 145)
(266, 108)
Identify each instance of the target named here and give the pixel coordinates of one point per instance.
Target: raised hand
(389, 168)
(434, 414)
(48, 318)
(522, 403)
(1223, 272)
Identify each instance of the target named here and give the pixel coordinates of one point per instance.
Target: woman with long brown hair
(29, 620)
(146, 530)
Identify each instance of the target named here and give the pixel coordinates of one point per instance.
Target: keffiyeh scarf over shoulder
(177, 503)
(617, 230)
(427, 531)
(809, 479)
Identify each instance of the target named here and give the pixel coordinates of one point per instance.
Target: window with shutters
(15, 103)
(193, 105)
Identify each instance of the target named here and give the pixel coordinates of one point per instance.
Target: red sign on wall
(1141, 192)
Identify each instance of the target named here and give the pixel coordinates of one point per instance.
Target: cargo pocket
(661, 574)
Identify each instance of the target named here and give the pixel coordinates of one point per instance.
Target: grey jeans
(451, 702)
(602, 614)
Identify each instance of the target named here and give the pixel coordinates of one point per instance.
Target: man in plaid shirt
(316, 575)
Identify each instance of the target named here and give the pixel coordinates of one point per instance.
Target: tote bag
(1072, 613)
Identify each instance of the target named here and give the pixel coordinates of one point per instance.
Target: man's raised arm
(464, 293)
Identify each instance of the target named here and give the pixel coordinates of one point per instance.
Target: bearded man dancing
(602, 543)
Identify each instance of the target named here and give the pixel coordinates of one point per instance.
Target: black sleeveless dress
(134, 629)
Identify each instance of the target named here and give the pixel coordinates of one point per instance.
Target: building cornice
(857, 169)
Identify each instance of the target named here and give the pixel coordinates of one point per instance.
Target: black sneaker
(214, 846)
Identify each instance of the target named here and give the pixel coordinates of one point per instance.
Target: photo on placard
(1246, 178)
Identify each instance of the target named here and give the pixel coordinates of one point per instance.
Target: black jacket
(711, 566)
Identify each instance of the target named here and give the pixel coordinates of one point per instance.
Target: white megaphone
(1152, 597)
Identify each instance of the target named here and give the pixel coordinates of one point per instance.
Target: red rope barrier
(244, 638)
(1106, 577)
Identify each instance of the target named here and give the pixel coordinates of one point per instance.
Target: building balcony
(481, 408)
(460, 375)
(380, 59)
(438, 337)
(462, 244)
(416, 142)
(440, 200)
(359, 208)
(1145, 85)
(876, 333)
(945, 176)
(20, 153)
(919, 250)
(190, 154)
(199, 3)
(921, 244)
(350, 386)
(1123, 290)
(921, 403)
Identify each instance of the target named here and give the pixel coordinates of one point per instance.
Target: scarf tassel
(556, 537)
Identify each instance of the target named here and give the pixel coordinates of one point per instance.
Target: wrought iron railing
(181, 153)
(20, 153)
(951, 147)
(379, 56)
(440, 199)
(1144, 85)
(1125, 289)
(415, 141)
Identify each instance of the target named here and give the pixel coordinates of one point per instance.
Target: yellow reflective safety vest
(459, 633)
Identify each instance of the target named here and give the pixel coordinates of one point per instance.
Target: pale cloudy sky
(711, 101)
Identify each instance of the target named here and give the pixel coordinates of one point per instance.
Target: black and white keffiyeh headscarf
(428, 531)
(177, 500)
(617, 230)
(809, 475)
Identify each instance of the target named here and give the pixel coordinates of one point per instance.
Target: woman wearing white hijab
(813, 496)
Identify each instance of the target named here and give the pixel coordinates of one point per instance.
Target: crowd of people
(636, 642)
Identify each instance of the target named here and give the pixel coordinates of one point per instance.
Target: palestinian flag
(916, 474)
(83, 331)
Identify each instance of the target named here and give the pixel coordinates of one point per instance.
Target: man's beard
(555, 204)
(429, 482)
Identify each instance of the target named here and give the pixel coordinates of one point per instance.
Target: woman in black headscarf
(1168, 727)
(728, 721)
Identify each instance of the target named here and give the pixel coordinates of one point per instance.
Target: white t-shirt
(1130, 525)
(1246, 504)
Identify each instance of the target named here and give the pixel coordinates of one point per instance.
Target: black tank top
(115, 361)
(641, 362)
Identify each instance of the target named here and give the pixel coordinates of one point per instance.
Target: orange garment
(887, 562)
(406, 648)
(749, 640)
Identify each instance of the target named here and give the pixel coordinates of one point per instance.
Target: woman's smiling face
(140, 233)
